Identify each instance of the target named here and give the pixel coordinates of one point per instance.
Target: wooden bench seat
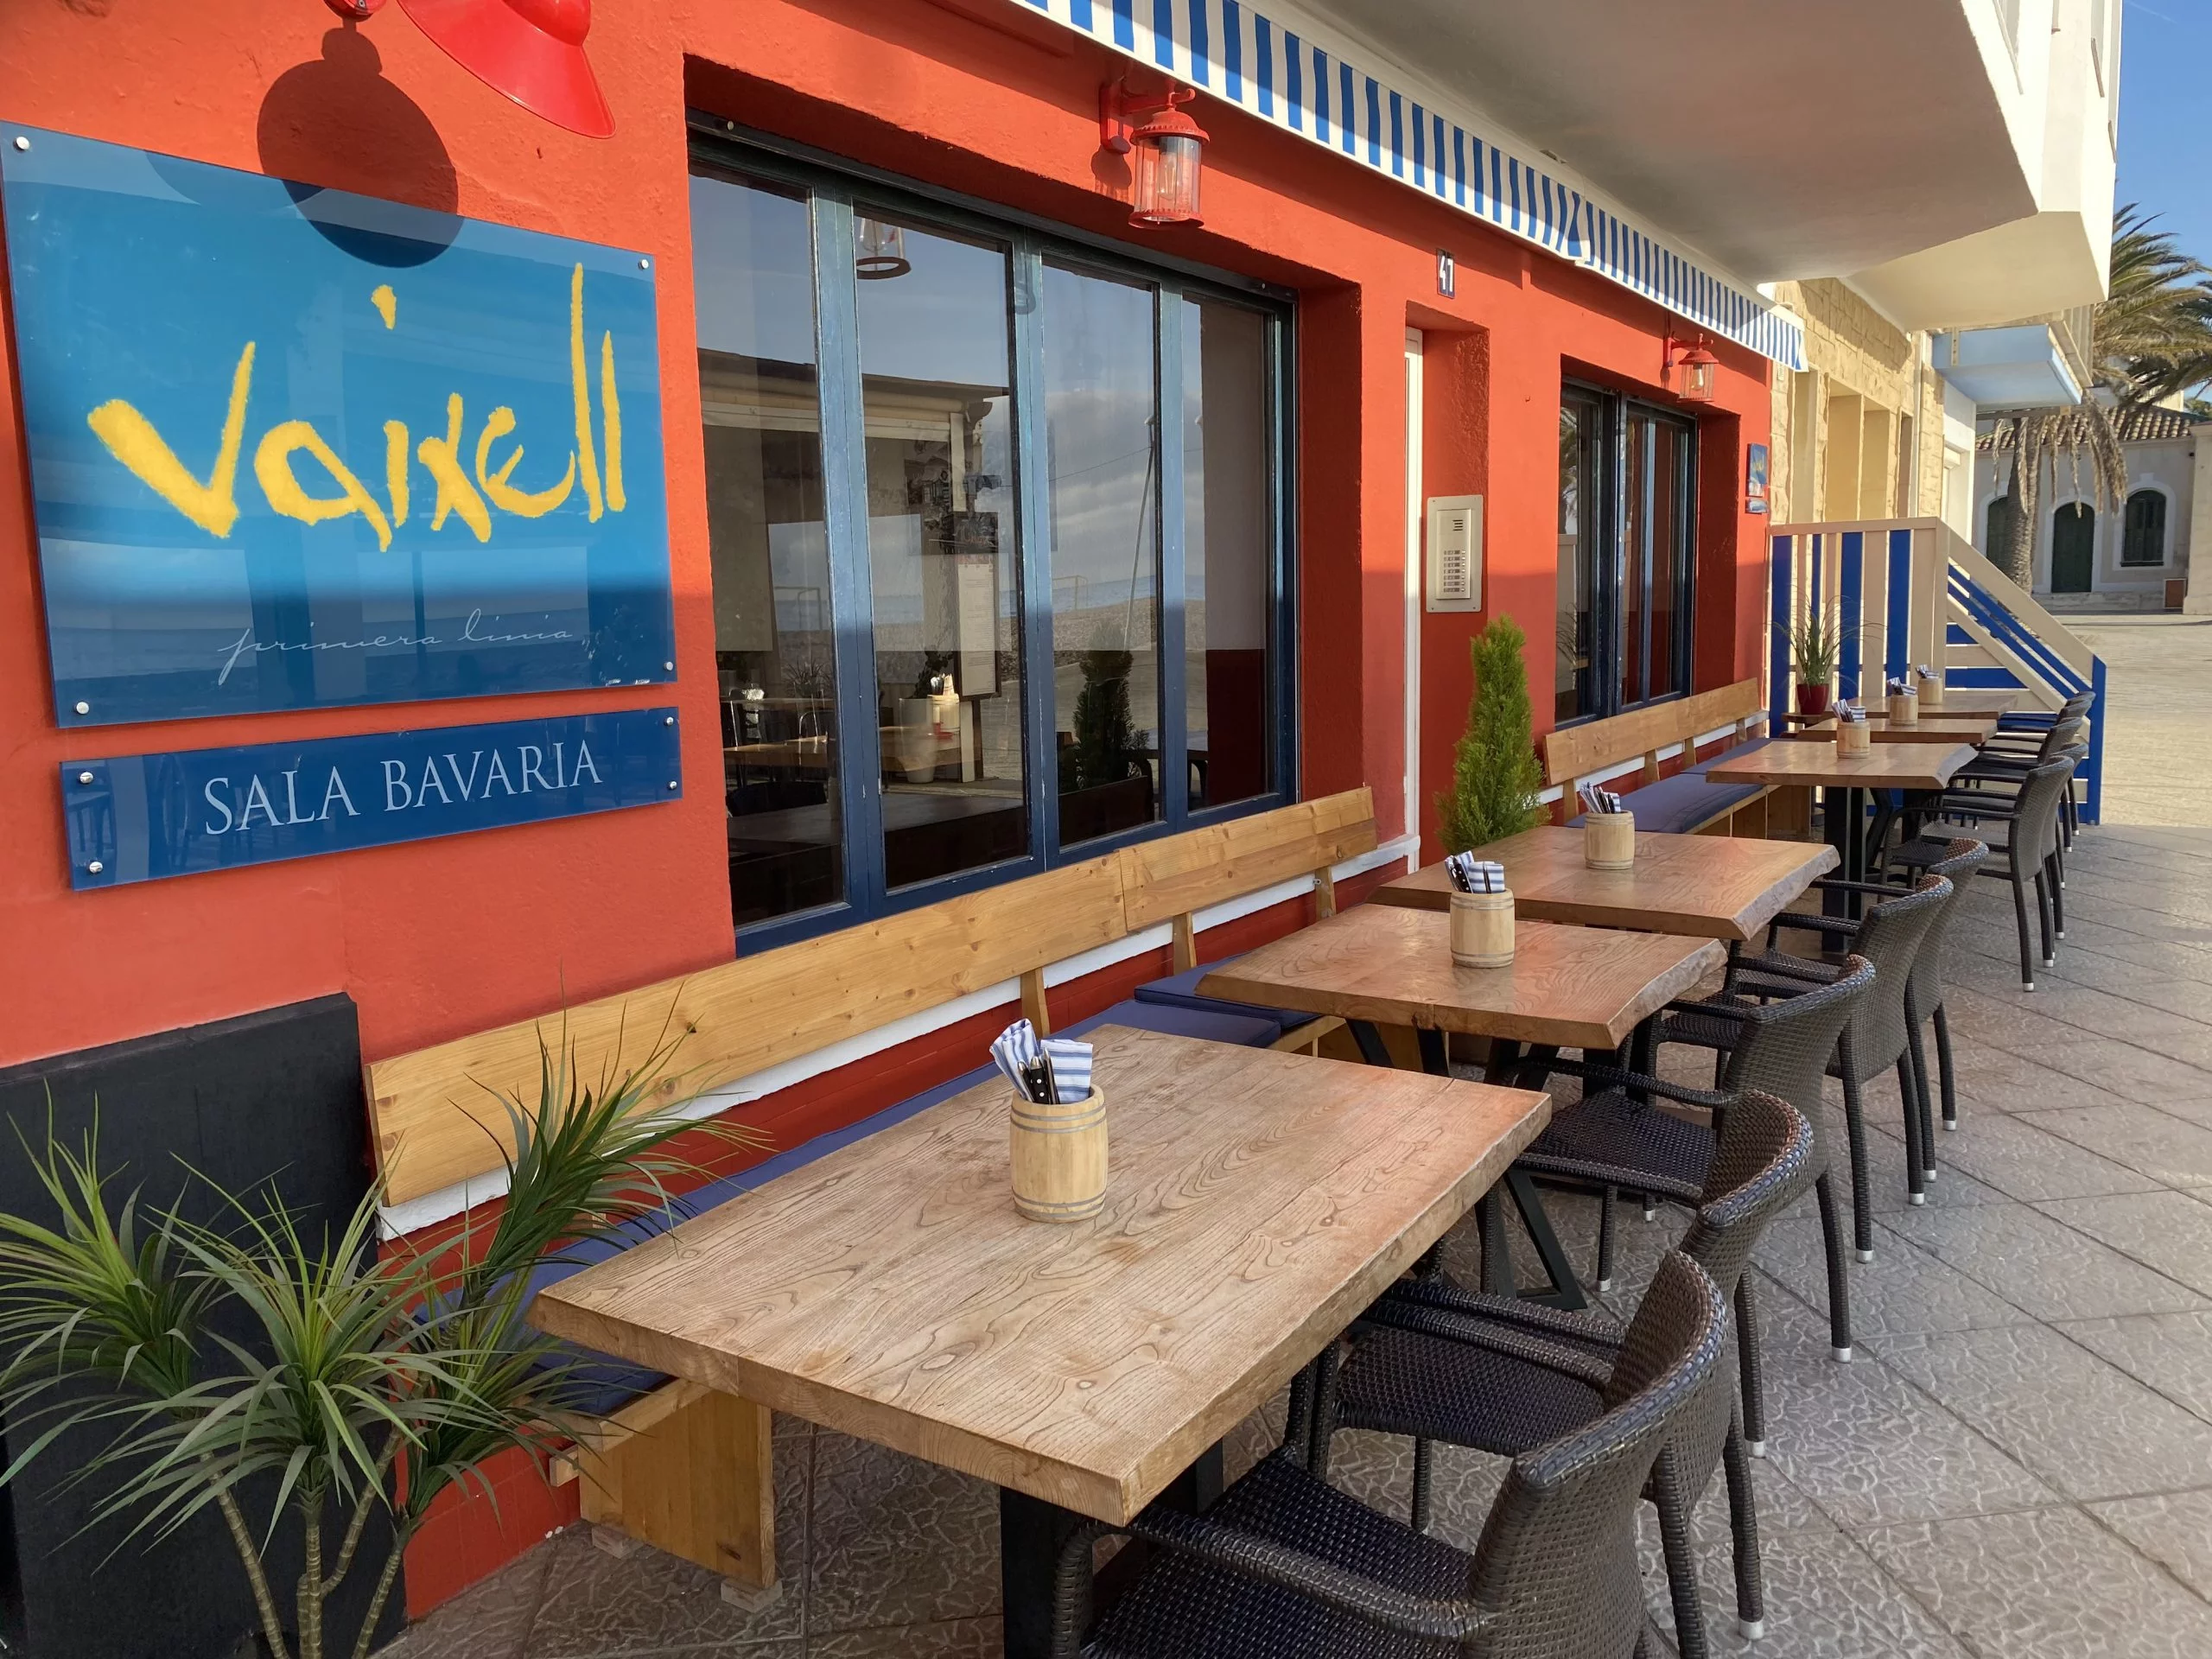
(1686, 802)
(680, 1467)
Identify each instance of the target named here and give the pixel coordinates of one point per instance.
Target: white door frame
(1415, 514)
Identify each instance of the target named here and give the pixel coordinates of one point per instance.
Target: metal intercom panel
(1455, 553)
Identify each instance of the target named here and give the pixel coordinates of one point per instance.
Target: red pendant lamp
(531, 50)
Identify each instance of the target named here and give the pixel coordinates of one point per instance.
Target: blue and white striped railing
(1911, 590)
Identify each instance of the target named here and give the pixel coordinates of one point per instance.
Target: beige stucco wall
(1837, 448)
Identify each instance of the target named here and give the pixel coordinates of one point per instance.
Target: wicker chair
(1874, 1039)
(2024, 727)
(1923, 991)
(1285, 1567)
(1999, 759)
(1613, 1141)
(2029, 854)
(1438, 1363)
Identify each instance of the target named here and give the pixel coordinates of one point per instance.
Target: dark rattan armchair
(1923, 991)
(1285, 1567)
(1438, 1363)
(1614, 1141)
(2027, 857)
(1874, 1039)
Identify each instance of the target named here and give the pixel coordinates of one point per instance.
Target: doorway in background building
(2073, 548)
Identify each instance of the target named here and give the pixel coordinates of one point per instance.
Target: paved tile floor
(2018, 1464)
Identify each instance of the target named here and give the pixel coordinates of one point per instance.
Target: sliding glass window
(1627, 555)
(1013, 502)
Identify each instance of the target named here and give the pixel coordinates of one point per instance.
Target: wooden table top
(1257, 1202)
(1977, 699)
(1703, 887)
(1885, 765)
(1573, 987)
(1945, 727)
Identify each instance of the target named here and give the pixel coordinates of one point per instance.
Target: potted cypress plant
(370, 1382)
(1495, 777)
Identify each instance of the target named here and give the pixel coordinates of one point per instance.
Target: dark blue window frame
(832, 185)
(1607, 514)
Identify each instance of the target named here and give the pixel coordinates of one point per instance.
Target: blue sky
(2165, 117)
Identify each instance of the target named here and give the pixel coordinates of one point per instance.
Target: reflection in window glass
(1576, 616)
(1670, 574)
(1100, 406)
(1635, 535)
(774, 647)
(1227, 532)
(944, 548)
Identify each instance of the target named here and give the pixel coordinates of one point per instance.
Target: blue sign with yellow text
(293, 449)
(140, 818)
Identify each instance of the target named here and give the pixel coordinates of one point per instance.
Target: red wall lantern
(1700, 370)
(1164, 149)
(531, 50)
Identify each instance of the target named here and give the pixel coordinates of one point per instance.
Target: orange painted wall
(443, 938)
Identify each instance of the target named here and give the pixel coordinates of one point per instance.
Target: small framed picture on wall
(1754, 478)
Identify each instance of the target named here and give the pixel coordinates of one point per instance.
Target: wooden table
(1914, 768)
(1258, 1202)
(1976, 699)
(1581, 987)
(1944, 727)
(1703, 887)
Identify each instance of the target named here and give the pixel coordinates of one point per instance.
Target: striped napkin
(1470, 874)
(1595, 799)
(1900, 686)
(1051, 1070)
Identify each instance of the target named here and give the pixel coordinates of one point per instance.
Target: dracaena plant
(371, 1381)
(1816, 640)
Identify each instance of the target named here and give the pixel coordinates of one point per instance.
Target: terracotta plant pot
(1812, 700)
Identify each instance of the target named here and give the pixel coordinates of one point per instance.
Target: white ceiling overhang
(1283, 66)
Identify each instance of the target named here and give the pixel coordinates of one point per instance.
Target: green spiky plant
(1495, 777)
(371, 1383)
(1816, 640)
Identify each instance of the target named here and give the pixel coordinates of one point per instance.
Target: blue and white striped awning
(1273, 64)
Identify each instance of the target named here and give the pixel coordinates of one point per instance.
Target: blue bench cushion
(1679, 805)
(1255, 1028)
(1736, 753)
(1181, 991)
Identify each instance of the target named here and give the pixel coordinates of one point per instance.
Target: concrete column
(1840, 455)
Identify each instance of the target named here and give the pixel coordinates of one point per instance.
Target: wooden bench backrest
(1172, 878)
(1577, 751)
(436, 1118)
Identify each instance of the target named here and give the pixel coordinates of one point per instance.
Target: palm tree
(2152, 338)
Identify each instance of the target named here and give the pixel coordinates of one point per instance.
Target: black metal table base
(1038, 1550)
(1843, 820)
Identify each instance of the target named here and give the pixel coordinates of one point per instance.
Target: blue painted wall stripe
(1849, 607)
(1777, 661)
(1898, 637)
